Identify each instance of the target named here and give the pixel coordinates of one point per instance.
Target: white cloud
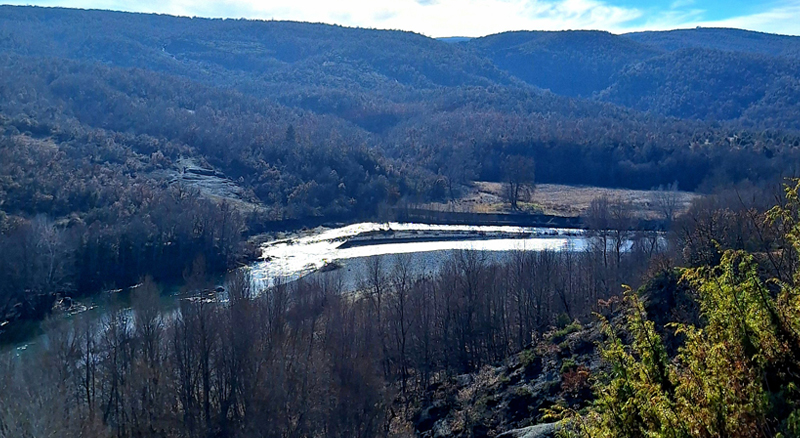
(451, 17)
(784, 19)
(430, 17)
(462, 17)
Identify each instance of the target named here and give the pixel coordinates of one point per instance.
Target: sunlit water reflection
(304, 254)
(289, 259)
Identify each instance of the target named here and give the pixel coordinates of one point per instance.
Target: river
(347, 249)
(428, 246)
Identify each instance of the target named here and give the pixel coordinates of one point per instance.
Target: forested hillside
(420, 103)
(108, 117)
(573, 63)
(704, 74)
(729, 40)
(259, 57)
(712, 85)
(142, 151)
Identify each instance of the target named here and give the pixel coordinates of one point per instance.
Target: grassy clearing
(556, 199)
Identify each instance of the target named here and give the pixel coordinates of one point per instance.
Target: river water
(427, 247)
(305, 254)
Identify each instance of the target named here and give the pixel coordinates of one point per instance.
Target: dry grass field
(560, 200)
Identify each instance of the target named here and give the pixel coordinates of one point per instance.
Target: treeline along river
(343, 255)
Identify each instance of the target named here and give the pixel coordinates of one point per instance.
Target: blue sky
(481, 17)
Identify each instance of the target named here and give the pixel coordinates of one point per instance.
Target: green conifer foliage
(736, 374)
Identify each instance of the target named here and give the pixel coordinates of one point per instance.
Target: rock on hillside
(539, 431)
(511, 400)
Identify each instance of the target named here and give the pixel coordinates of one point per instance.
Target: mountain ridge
(719, 38)
(254, 98)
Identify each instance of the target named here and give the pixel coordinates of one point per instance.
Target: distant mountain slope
(317, 120)
(729, 40)
(108, 120)
(702, 84)
(226, 51)
(322, 68)
(376, 79)
(573, 63)
(719, 74)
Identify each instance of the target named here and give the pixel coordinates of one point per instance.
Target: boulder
(428, 417)
(538, 431)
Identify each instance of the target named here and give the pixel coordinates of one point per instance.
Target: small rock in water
(330, 266)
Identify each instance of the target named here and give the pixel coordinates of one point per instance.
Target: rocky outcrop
(511, 400)
(428, 418)
(203, 172)
(539, 431)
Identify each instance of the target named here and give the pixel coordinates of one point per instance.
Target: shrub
(560, 335)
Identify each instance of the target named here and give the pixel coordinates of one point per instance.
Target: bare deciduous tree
(303, 359)
(519, 179)
(667, 199)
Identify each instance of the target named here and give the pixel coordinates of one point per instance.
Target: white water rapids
(289, 259)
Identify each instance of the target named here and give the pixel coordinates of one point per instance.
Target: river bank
(288, 256)
(25, 317)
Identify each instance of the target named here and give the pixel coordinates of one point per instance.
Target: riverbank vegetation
(75, 222)
(732, 370)
(306, 359)
(296, 360)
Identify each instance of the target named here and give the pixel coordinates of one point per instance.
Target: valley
(245, 228)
